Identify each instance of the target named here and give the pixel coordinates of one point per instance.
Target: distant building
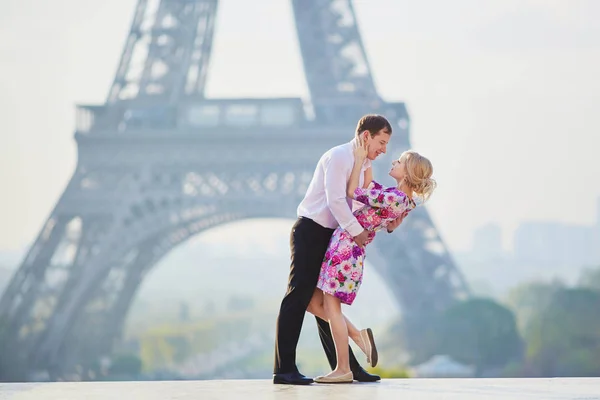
(558, 244)
(553, 243)
(541, 250)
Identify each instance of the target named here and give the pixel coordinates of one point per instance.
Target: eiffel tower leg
(66, 241)
(99, 319)
(23, 297)
(72, 238)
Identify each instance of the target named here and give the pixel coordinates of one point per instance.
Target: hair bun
(425, 188)
(418, 174)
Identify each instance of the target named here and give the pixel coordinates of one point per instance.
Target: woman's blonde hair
(418, 174)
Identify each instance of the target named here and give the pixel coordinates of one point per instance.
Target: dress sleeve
(372, 195)
(377, 196)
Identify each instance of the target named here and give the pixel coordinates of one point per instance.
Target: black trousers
(308, 244)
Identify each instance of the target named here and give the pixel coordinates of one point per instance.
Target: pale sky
(503, 95)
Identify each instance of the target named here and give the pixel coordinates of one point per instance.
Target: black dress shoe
(291, 378)
(361, 375)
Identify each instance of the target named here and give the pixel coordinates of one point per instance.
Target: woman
(342, 269)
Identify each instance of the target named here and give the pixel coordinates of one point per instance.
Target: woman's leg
(316, 308)
(339, 332)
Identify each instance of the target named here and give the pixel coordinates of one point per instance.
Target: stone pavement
(411, 389)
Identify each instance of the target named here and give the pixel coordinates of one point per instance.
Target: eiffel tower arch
(159, 162)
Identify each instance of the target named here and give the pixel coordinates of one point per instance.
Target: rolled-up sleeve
(337, 169)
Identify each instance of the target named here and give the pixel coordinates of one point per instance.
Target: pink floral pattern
(342, 268)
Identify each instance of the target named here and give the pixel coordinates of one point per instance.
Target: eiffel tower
(159, 162)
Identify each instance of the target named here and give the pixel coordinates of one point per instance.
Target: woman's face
(398, 170)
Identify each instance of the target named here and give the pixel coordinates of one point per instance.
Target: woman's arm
(354, 178)
(360, 153)
(368, 177)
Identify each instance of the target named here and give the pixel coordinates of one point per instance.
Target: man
(324, 207)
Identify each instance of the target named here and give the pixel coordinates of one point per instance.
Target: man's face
(377, 144)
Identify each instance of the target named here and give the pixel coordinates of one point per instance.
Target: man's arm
(336, 171)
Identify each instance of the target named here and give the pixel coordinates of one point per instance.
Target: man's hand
(361, 238)
(395, 223)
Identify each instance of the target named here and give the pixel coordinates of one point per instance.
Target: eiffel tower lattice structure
(159, 162)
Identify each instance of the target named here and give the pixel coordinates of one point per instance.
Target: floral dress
(342, 268)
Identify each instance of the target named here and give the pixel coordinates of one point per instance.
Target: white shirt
(325, 201)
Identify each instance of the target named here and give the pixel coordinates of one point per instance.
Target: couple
(328, 248)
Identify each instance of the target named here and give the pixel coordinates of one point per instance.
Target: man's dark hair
(373, 123)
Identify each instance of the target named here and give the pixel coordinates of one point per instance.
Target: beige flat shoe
(366, 335)
(346, 378)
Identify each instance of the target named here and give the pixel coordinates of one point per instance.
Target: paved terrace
(410, 389)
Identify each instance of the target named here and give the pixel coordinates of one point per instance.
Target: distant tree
(564, 338)
(529, 299)
(125, 365)
(590, 278)
(419, 337)
(479, 332)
